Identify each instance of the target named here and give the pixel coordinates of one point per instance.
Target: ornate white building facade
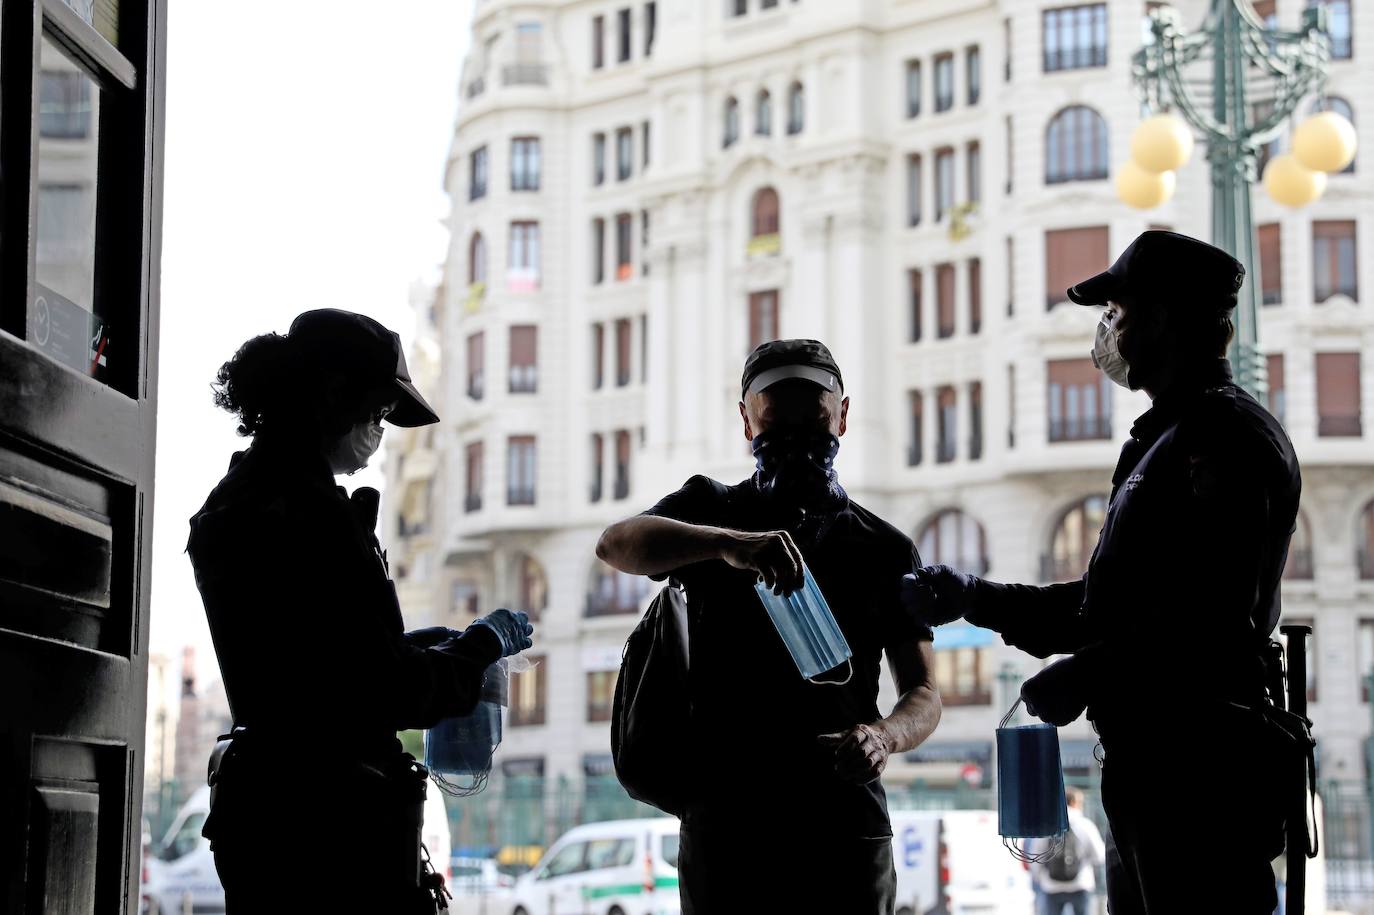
(643, 190)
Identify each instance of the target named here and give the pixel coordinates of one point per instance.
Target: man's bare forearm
(912, 720)
(649, 545)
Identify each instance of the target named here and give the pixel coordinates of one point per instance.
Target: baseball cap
(365, 350)
(1166, 265)
(777, 360)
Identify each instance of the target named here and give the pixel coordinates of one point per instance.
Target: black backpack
(1066, 865)
(649, 717)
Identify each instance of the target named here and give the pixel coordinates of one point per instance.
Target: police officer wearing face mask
(317, 668)
(786, 811)
(1168, 628)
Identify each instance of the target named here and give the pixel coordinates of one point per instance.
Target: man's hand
(770, 553)
(513, 629)
(936, 595)
(860, 753)
(1058, 694)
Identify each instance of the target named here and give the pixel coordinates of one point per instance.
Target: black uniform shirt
(755, 719)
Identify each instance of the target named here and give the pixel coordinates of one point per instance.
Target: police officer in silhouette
(318, 670)
(1167, 630)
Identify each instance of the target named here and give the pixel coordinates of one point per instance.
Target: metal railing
(525, 75)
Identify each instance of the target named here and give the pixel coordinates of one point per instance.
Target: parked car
(621, 867)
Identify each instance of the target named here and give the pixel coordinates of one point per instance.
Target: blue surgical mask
(808, 628)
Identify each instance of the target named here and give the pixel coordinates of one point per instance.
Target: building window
(622, 352)
(975, 421)
(520, 470)
(644, 242)
(622, 464)
(611, 591)
(625, 40)
(1277, 393)
(915, 450)
(739, 7)
(975, 172)
(524, 164)
(598, 158)
(532, 586)
(1011, 277)
(952, 538)
(650, 27)
(598, 462)
(1073, 541)
(1011, 406)
(1078, 401)
(731, 122)
(465, 599)
(1364, 655)
(477, 259)
(913, 190)
(964, 676)
(1271, 263)
(1312, 654)
(796, 109)
(476, 366)
(1338, 395)
(523, 275)
(1333, 259)
(1338, 26)
(644, 145)
(1076, 146)
(1072, 255)
(946, 420)
(763, 317)
(1075, 37)
(975, 295)
(913, 279)
(1365, 542)
(524, 373)
(944, 82)
(643, 356)
(598, 355)
(598, 250)
(1006, 50)
(624, 153)
(1011, 169)
(1299, 564)
(601, 694)
(472, 494)
(624, 229)
(528, 690)
(944, 182)
(477, 173)
(973, 73)
(944, 301)
(64, 105)
(913, 88)
(598, 42)
(763, 113)
(764, 213)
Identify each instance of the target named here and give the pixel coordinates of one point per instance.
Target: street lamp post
(1235, 82)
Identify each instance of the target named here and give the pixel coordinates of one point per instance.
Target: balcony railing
(1322, 293)
(525, 75)
(524, 379)
(610, 605)
(520, 495)
(1339, 427)
(520, 716)
(1081, 429)
(913, 455)
(1075, 58)
(945, 452)
(594, 491)
(472, 502)
(477, 388)
(622, 487)
(1364, 559)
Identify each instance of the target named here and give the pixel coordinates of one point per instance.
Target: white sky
(305, 151)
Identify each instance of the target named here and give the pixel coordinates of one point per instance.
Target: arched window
(1364, 539)
(763, 114)
(1342, 107)
(1074, 538)
(1299, 565)
(765, 212)
(1076, 146)
(731, 122)
(952, 538)
(611, 591)
(796, 109)
(531, 586)
(477, 259)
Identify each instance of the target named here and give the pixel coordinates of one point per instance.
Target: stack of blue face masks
(807, 627)
(458, 751)
(1030, 787)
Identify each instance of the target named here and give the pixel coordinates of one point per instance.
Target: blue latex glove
(511, 627)
(936, 595)
(1058, 694)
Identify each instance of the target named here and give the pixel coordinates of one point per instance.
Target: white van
(183, 866)
(952, 862)
(621, 867)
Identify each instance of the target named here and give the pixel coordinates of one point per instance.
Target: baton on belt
(1297, 846)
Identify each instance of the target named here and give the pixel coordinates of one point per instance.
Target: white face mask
(1106, 355)
(351, 452)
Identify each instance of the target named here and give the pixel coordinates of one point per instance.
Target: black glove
(936, 595)
(511, 627)
(1059, 693)
(429, 636)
